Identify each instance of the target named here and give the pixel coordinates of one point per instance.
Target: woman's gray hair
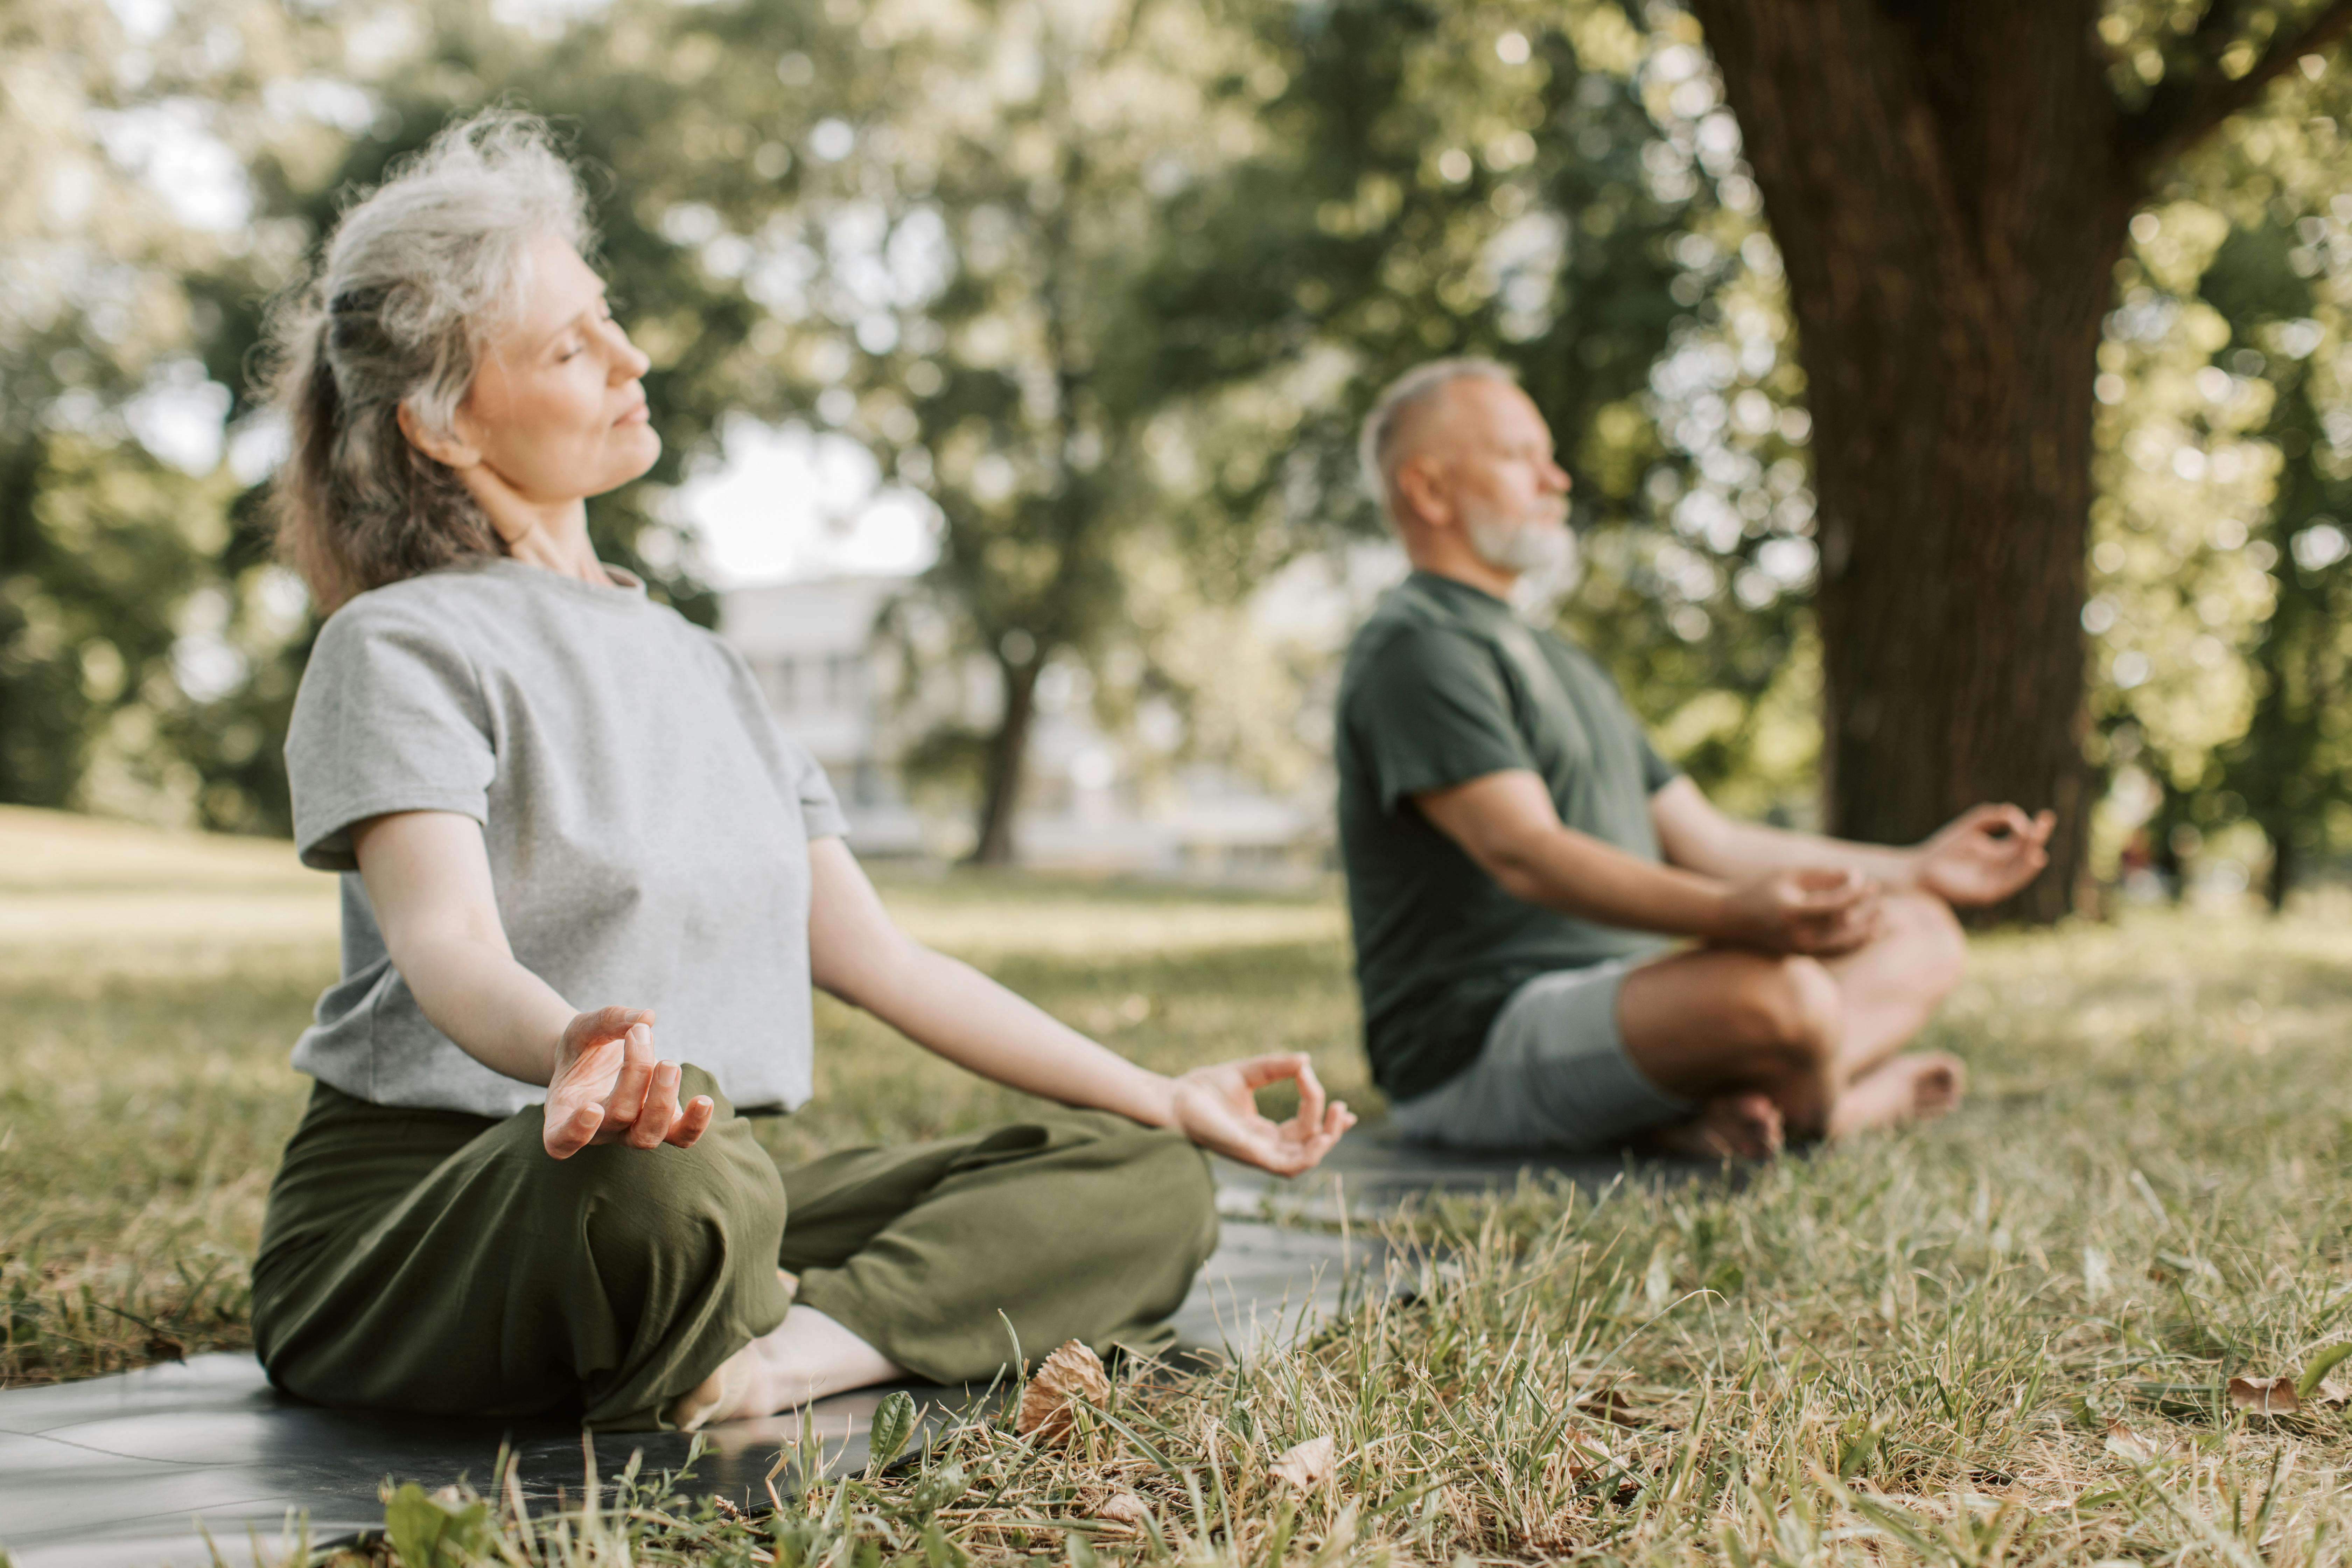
(1379, 448)
(416, 276)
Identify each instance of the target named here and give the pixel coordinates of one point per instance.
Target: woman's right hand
(608, 1085)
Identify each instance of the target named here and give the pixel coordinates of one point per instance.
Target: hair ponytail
(412, 279)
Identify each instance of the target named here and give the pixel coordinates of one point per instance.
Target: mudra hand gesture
(1216, 1107)
(1984, 854)
(608, 1087)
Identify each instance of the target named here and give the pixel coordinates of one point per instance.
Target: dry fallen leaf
(2334, 1389)
(1124, 1507)
(1071, 1373)
(2264, 1397)
(2125, 1443)
(1612, 1407)
(1308, 1464)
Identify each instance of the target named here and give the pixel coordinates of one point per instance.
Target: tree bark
(1949, 199)
(1008, 761)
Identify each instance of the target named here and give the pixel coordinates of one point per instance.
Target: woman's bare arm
(428, 882)
(859, 954)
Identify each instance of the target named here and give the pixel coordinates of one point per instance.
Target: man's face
(1495, 461)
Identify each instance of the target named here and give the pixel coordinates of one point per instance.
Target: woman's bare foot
(1729, 1127)
(805, 1357)
(1916, 1086)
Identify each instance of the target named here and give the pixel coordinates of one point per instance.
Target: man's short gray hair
(1378, 449)
(416, 276)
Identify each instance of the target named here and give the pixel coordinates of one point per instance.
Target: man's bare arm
(1695, 834)
(1982, 856)
(1507, 823)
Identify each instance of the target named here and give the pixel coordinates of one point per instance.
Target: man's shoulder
(1410, 620)
(1410, 651)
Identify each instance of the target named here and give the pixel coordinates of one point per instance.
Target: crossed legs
(1770, 1044)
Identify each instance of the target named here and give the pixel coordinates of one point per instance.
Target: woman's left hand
(1217, 1109)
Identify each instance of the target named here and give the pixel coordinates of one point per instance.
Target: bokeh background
(1044, 326)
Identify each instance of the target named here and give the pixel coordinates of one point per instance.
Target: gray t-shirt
(648, 826)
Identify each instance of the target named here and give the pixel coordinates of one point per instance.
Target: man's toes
(1942, 1080)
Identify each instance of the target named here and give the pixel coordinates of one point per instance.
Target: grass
(2004, 1338)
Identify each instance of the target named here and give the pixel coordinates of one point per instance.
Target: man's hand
(1215, 1108)
(1986, 854)
(1818, 911)
(609, 1086)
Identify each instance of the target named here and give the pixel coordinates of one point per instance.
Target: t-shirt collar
(1460, 594)
(623, 588)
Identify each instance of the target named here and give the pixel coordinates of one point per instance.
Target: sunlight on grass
(2004, 1338)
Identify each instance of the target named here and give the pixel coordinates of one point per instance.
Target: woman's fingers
(635, 1080)
(651, 1127)
(1310, 1096)
(1258, 1071)
(693, 1122)
(568, 1132)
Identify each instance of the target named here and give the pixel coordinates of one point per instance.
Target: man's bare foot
(1916, 1086)
(1729, 1127)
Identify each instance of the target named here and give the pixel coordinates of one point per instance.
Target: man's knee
(1788, 1008)
(1935, 948)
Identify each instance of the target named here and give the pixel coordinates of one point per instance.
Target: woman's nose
(629, 362)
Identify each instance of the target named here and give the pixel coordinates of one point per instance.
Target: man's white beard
(1528, 549)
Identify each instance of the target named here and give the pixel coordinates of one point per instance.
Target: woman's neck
(557, 541)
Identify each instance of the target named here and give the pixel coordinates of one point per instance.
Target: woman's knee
(1166, 1194)
(716, 1203)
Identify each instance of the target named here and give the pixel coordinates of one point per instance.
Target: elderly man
(1520, 861)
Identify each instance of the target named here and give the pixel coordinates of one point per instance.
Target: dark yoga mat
(1371, 1172)
(114, 1472)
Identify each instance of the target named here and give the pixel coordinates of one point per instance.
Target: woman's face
(556, 409)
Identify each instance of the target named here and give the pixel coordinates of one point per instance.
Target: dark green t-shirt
(1445, 685)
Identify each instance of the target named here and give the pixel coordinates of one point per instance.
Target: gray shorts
(1553, 1073)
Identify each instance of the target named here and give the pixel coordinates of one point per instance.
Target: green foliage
(2224, 590)
(441, 1530)
(1115, 318)
(1114, 314)
(894, 1423)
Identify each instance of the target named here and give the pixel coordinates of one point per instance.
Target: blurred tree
(122, 664)
(1950, 185)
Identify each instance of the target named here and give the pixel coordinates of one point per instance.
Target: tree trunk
(1946, 186)
(1008, 761)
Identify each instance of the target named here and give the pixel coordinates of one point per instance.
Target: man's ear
(1424, 493)
(451, 450)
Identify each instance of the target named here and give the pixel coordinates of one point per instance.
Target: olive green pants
(431, 1261)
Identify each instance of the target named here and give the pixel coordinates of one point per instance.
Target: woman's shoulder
(428, 599)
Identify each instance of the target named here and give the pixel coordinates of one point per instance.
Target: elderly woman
(567, 831)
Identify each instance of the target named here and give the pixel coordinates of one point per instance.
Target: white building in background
(832, 681)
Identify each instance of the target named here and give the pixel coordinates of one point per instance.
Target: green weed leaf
(940, 1488)
(2321, 1365)
(436, 1529)
(894, 1423)
(939, 1552)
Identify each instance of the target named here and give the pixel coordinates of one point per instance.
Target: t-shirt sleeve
(804, 775)
(1431, 713)
(1656, 771)
(798, 776)
(390, 717)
